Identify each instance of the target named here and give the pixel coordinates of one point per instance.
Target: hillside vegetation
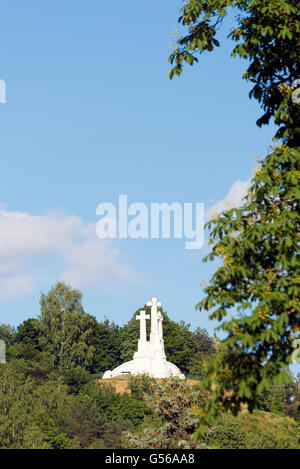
(51, 395)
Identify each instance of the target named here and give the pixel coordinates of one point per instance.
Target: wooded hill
(50, 395)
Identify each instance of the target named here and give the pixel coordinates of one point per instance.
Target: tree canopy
(48, 401)
(255, 293)
(267, 36)
(65, 328)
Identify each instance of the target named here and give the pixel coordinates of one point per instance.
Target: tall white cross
(154, 319)
(142, 317)
(154, 303)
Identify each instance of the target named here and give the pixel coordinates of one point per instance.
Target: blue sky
(91, 114)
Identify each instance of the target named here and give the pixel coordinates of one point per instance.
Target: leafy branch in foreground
(255, 293)
(174, 406)
(258, 285)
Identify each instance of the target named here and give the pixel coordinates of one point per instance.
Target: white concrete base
(134, 367)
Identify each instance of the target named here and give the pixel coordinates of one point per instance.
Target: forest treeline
(66, 337)
(50, 396)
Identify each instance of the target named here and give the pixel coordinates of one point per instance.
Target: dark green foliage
(7, 333)
(258, 431)
(65, 329)
(38, 413)
(229, 433)
(28, 332)
(80, 419)
(177, 410)
(180, 344)
(258, 284)
(267, 36)
(65, 407)
(255, 293)
(118, 407)
(141, 385)
(126, 408)
(48, 395)
(172, 402)
(186, 349)
(26, 351)
(76, 378)
(282, 399)
(50, 433)
(106, 342)
(129, 335)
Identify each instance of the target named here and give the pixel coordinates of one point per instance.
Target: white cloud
(234, 198)
(25, 238)
(88, 265)
(16, 286)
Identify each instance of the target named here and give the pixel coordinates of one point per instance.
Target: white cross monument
(150, 357)
(142, 317)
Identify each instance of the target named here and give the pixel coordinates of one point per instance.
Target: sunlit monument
(150, 357)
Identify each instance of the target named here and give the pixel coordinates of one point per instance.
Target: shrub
(261, 430)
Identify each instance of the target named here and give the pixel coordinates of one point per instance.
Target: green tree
(204, 351)
(267, 36)
(28, 332)
(75, 378)
(26, 342)
(255, 292)
(15, 399)
(65, 329)
(41, 414)
(140, 385)
(185, 348)
(117, 407)
(81, 420)
(20, 350)
(106, 342)
(258, 284)
(34, 438)
(282, 399)
(51, 434)
(7, 333)
(257, 431)
(129, 335)
(173, 402)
